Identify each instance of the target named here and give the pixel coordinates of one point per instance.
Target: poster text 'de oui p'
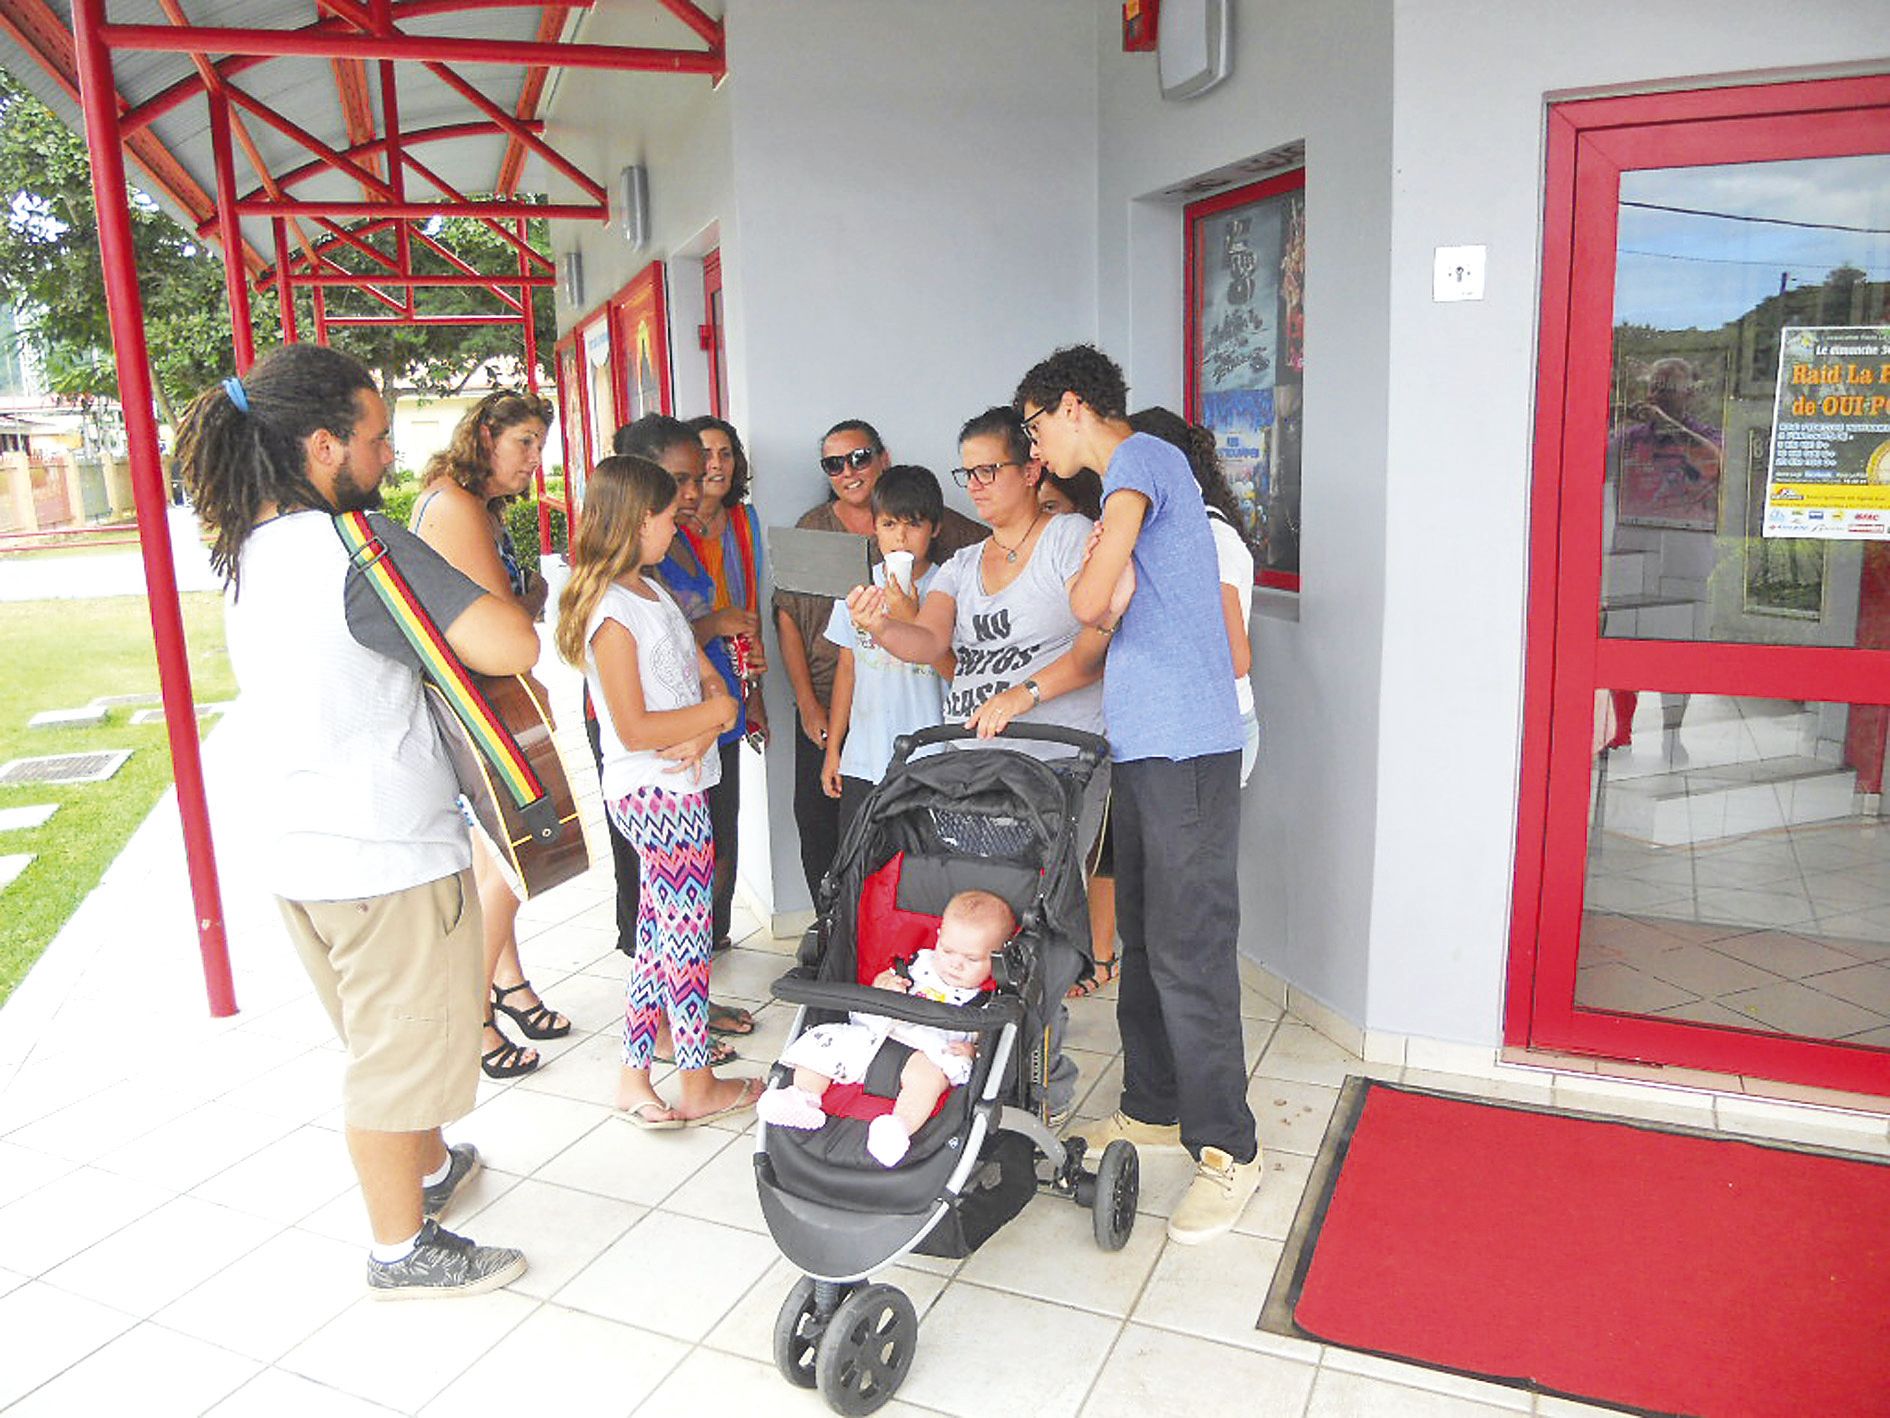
(1830, 471)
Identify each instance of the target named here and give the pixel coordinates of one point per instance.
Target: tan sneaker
(1156, 1137)
(1215, 1198)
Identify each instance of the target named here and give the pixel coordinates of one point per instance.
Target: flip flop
(730, 1019)
(1105, 973)
(638, 1117)
(752, 1089)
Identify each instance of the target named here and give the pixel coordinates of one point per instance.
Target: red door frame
(1589, 144)
(712, 330)
(1294, 181)
(573, 409)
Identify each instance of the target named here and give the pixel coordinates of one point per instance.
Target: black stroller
(994, 819)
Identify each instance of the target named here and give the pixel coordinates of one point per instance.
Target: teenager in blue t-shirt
(1175, 741)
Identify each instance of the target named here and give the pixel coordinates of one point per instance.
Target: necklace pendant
(1010, 556)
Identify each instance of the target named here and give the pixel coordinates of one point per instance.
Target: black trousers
(1177, 830)
(816, 815)
(725, 801)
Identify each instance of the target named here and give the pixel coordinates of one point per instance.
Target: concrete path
(85, 575)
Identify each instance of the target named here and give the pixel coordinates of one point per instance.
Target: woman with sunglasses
(852, 456)
(489, 460)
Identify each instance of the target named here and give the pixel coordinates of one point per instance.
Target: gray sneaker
(462, 1162)
(442, 1264)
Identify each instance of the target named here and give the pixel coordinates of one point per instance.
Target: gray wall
(1317, 70)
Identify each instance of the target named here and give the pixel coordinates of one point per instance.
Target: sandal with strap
(538, 1022)
(720, 1052)
(1104, 973)
(509, 1060)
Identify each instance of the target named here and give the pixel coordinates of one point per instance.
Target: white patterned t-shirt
(667, 666)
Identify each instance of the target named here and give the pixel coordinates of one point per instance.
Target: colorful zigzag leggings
(670, 974)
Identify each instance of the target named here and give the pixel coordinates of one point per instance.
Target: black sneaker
(442, 1264)
(462, 1162)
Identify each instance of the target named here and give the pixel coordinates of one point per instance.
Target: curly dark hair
(1082, 370)
(1204, 460)
(234, 460)
(1000, 422)
(738, 485)
(1083, 488)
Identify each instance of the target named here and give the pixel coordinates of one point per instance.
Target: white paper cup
(899, 568)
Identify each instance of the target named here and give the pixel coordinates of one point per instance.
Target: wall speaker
(633, 199)
(1194, 48)
(574, 279)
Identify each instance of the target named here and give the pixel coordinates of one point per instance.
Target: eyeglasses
(1032, 419)
(834, 465)
(984, 474)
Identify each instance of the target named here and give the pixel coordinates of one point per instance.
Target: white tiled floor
(179, 1230)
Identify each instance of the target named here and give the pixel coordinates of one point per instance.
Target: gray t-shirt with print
(1004, 639)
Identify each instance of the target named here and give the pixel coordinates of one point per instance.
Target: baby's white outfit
(843, 1052)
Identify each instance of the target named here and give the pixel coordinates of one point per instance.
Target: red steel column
(531, 383)
(97, 101)
(285, 290)
(229, 232)
(320, 298)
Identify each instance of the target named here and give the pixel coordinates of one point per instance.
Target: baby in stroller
(972, 928)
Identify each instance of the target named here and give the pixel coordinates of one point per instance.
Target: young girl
(661, 706)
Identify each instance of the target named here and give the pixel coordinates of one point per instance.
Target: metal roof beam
(456, 279)
(320, 43)
(438, 207)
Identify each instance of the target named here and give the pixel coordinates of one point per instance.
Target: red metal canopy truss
(364, 243)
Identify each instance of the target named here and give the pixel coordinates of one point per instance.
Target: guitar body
(532, 863)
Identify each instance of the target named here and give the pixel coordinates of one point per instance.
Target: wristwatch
(1036, 694)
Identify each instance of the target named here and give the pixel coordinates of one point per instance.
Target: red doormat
(1666, 1272)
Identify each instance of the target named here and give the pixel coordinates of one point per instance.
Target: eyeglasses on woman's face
(984, 474)
(837, 463)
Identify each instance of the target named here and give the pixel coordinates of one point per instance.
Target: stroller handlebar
(832, 994)
(1093, 748)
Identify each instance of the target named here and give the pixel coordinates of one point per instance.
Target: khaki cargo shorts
(403, 978)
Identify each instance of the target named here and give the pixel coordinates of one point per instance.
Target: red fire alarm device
(1138, 25)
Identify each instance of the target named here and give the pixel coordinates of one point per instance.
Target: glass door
(1705, 868)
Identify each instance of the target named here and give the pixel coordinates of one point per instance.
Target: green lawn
(61, 655)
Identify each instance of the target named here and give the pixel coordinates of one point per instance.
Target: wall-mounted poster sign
(1246, 366)
(1830, 473)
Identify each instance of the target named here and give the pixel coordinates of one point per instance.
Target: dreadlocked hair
(463, 459)
(1204, 460)
(235, 461)
(622, 493)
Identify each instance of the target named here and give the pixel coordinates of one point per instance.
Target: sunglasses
(836, 464)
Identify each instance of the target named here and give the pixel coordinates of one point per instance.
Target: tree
(50, 272)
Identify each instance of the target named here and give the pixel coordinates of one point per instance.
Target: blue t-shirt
(1168, 686)
(890, 697)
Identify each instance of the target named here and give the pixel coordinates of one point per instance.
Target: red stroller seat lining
(884, 932)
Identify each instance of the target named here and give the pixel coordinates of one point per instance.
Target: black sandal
(533, 1023)
(508, 1060)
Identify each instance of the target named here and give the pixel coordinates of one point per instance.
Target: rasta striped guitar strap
(369, 555)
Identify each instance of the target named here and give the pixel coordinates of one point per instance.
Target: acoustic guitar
(545, 847)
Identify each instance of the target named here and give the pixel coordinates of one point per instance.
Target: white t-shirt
(890, 697)
(666, 663)
(357, 790)
(1004, 639)
(1237, 571)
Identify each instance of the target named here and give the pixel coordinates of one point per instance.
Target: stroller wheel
(1118, 1184)
(796, 1333)
(867, 1349)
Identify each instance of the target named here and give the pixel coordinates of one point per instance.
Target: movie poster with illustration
(1249, 358)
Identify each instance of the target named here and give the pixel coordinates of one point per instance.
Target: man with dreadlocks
(364, 849)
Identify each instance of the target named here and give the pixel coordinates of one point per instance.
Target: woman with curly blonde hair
(489, 460)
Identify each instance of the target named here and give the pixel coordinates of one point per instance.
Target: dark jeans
(1178, 912)
(816, 815)
(725, 801)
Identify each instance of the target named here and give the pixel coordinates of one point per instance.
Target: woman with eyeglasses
(1001, 609)
(852, 455)
(460, 513)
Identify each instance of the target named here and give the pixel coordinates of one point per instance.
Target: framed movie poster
(1246, 356)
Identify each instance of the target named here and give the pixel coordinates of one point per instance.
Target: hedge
(521, 520)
